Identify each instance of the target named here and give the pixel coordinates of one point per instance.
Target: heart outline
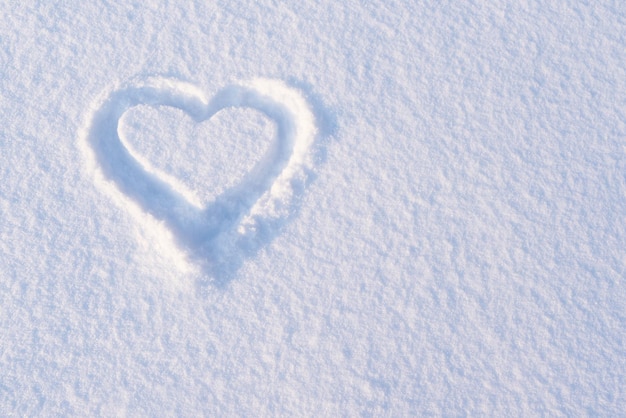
(262, 198)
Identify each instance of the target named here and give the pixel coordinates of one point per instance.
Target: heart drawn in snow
(242, 212)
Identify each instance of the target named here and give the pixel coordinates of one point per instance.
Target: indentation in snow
(238, 219)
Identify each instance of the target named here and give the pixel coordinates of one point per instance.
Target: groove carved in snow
(260, 201)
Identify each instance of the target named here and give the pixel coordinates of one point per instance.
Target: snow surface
(312, 208)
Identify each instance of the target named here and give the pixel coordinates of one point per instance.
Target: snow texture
(312, 208)
(261, 197)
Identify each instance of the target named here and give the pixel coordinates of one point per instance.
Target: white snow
(312, 208)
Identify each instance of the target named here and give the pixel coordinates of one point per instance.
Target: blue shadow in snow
(209, 234)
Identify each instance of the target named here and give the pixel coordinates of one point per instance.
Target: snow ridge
(238, 219)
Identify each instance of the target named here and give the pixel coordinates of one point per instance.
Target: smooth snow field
(319, 209)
